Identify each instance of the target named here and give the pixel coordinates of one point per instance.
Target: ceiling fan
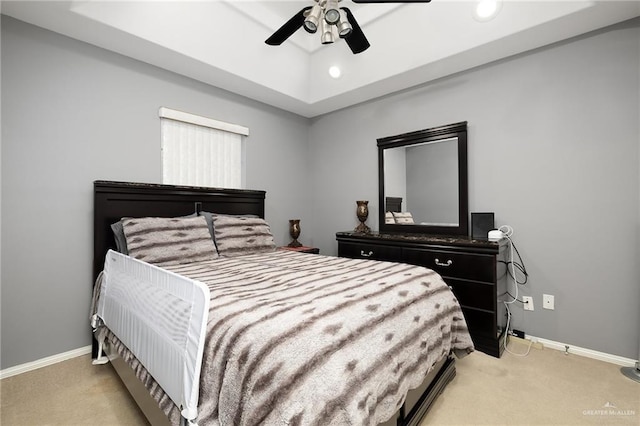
(332, 21)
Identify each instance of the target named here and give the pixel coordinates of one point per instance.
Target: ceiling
(222, 42)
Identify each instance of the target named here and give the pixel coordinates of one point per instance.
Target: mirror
(423, 181)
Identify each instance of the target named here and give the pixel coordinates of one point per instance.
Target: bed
(301, 348)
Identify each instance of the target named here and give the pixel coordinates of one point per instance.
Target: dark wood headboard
(393, 204)
(115, 200)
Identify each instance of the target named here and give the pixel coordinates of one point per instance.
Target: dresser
(474, 270)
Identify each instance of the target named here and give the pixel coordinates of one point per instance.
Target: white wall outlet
(548, 301)
(528, 303)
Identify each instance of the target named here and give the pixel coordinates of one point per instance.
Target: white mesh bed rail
(161, 317)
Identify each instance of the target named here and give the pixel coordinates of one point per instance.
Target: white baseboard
(576, 350)
(588, 353)
(44, 362)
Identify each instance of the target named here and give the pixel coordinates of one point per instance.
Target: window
(200, 151)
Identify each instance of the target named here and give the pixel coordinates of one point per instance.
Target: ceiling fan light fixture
(344, 27)
(327, 36)
(313, 19)
(331, 12)
(340, 23)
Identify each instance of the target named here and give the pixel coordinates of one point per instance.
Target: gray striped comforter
(299, 339)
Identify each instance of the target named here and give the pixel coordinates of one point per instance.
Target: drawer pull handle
(363, 254)
(448, 263)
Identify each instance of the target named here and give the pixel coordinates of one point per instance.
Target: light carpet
(546, 387)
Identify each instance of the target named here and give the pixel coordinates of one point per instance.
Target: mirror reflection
(421, 184)
(422, 181)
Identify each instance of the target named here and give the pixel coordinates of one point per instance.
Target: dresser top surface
(445, 240)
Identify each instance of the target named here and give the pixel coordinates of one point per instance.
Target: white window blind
(200, 151)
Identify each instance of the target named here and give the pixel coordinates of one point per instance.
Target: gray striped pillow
(403, 218)
(238, 235)
(169, 241)
(388, 218)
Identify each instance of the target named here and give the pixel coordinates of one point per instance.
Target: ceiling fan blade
(391, 1)
(356, 41)
(287, 30)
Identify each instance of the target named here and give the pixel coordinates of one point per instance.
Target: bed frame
(114, 200)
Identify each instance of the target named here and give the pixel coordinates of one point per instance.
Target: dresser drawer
(369, 251)
(470, 266)
(480, 322)
(473, 294)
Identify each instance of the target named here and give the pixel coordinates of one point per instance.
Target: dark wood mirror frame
(456, 130)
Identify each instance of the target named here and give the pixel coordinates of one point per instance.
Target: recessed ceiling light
(335, 71)
(486, 10)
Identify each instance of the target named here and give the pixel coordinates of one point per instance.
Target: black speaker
(481, 224)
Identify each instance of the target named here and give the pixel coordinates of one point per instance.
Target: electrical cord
(510, 295)
(520, 268)
(506, 348)
(513, 275)
(508, 333)
(508, 232)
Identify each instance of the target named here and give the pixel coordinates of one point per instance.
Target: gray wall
(73, 113)
(553, 151)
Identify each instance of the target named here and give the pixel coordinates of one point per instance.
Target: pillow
(169, 241)
(403, 218)
(238, 235)
(388, 218)
(121, 240)
(209, 217)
